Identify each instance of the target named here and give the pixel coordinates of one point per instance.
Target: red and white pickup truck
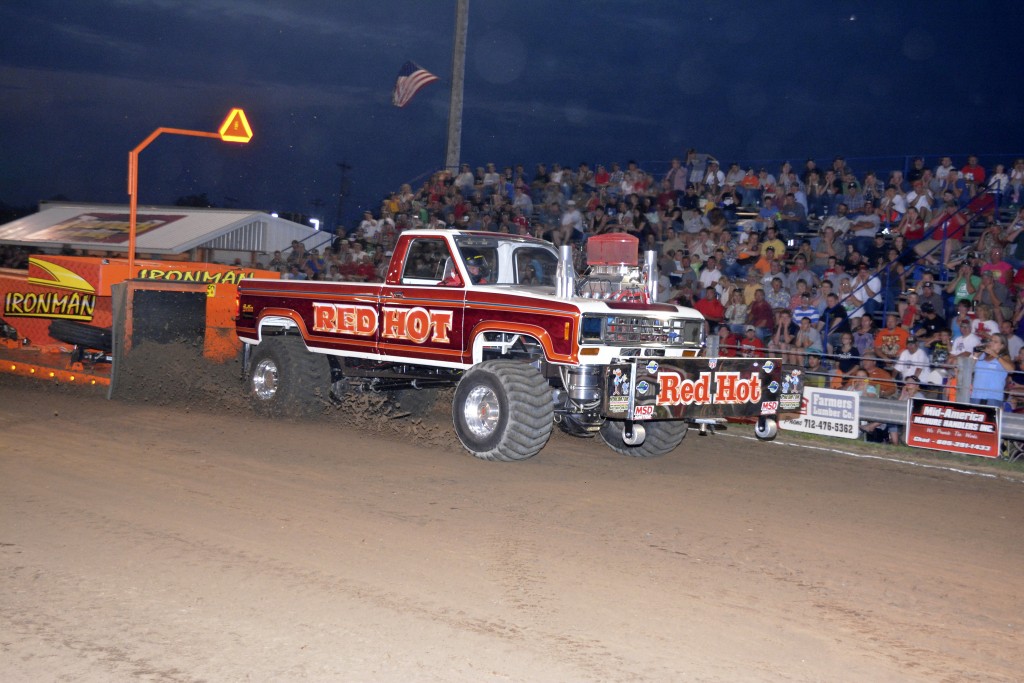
(526, 342)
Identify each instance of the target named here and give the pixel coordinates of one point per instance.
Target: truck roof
(426, 232)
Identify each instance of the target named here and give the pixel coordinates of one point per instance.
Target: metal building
(211, 235)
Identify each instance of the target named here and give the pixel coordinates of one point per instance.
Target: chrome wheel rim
(481, 412)
(264, 380)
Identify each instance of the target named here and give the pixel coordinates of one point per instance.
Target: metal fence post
(964, 378)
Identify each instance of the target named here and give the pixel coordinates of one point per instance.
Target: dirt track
(166, 544)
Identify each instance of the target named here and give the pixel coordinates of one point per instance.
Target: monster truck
(526, 342)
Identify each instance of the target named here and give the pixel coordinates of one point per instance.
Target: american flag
(411, 78)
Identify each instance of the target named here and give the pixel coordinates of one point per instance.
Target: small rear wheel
(503, 410)
(661, 437)
(287, 380)
(766, 429)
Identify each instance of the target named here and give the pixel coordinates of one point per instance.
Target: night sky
(85, 81)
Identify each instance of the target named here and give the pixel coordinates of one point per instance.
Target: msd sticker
(769, 407)
(643, 412)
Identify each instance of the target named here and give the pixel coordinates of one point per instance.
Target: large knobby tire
(287, 380)
(503, 410)
(82, 334)
(662, 437)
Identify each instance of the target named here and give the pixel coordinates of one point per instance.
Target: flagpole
(458, 77)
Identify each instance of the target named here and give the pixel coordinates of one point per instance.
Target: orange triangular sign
(235, 127)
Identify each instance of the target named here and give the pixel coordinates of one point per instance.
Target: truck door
(421, 315)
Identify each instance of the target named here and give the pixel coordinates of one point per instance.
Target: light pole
(454, 149)
(234, 129)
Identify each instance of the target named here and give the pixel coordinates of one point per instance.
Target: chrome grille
(633, 329)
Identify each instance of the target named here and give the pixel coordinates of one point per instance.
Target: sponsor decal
(59, 277)
(791, 391)
(728, 387)
(773, 387)
(643, 412)
(791, 382)
(417, 325)
(67, 305)
(768, 366)
(769, 407)
(652, 367)
(230, 277)
(77, 303)
(712, 363)
(620, 383)
(789, 401)
(618, 403)
(642, 386)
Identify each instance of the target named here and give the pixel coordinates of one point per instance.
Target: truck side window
(425, 261)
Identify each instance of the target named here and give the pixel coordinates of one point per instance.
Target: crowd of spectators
(840, 272)
(12, 256)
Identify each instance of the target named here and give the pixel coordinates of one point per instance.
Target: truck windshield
(508, 260)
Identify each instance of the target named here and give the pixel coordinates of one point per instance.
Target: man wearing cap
(928, 293)
(571, 226)
(792, 217)
(750, 345)
(966, 341)
(877, 376)
(912, 361)
(714, 178)
(931, 324)
(878, 250)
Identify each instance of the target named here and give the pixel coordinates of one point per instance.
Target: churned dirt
(184, 540)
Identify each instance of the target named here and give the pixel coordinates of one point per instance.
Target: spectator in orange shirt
(877, 376)
(891, 340)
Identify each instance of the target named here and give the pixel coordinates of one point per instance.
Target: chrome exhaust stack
(565, 274)
(651, 273)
